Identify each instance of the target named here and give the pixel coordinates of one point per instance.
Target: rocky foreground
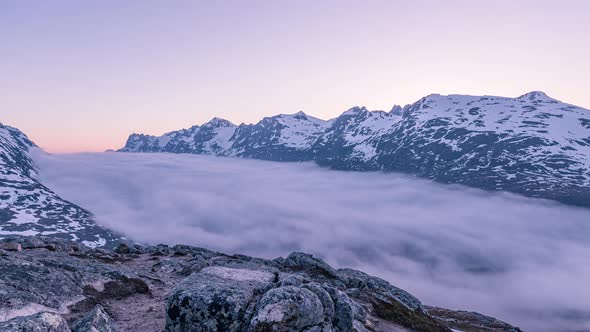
(55, 285)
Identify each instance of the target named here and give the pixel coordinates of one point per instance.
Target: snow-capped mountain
(287, 137)
(27, 207)
(532, 145)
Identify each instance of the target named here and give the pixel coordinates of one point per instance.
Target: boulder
(97, 320)
(313, 266)
(287, 309)
(215, 299)
(41, 322)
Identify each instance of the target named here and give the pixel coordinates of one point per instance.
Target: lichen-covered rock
(215, 299)
(287, 309)
(288, 279)
(366, 285)
(344, 312)
(470, 321)
(41, 322)
(298, 261)
(325, 299)
(97, 320)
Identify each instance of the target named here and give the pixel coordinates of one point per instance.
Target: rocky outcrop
(55, 285)
(470, 321)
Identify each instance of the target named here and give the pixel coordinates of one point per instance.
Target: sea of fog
(521, 260)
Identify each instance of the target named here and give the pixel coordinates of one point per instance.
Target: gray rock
(215, 299)
(470, 321)
(291, 279)
(196, 264)
(41, 322)
(11, 246)
(123, 248)
(324, 297)
(298, 261)
(366, 286)
(97, 320)
(343, 312)
(185, 289)
(287, 309)
(168, 266)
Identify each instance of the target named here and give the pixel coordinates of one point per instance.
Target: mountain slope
(27, 207)
(532, 145)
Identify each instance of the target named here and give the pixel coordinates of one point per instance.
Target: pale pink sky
(82, 75)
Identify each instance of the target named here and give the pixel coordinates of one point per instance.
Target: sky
(82, 75)
(525, 262)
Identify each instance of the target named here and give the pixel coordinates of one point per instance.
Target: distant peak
(218, 122)
(535, 95)
(300, 115)
(396, 110)
(355, 110)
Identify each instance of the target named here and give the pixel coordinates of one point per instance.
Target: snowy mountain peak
(532, 145)
(396, 110)
(218, 122)
(536, 96)
(27, 207)
(300, 116)
(14, 148)
(355, 110)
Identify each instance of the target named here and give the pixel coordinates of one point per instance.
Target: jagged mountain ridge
(532, 145)
(27, 207)
(282, 137)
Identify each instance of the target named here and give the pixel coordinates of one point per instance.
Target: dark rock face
(182, 288)
(531, 145)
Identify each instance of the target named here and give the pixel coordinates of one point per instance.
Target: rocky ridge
(27, 207)
(49, 284)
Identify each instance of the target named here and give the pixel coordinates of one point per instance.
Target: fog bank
(522, 260)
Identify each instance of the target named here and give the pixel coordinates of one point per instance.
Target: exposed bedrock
(55, 285)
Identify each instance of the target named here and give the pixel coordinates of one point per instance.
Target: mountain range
(532, 145)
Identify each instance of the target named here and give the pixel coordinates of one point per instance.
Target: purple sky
(82, 75)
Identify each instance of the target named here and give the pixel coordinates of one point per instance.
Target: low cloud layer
(522, 260)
